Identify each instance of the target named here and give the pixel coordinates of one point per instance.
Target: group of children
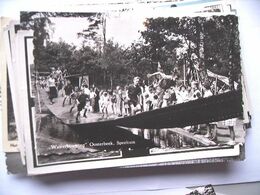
(127, 100)
(119, 101)
(84, 98)
(122, 101)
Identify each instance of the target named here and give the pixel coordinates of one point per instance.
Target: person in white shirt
(86, 90)
(119, 101)
(52, 89)
(104, 101)
(92, 96)
(181, 95)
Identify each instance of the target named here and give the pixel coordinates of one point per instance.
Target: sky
(67, 29)
(122, 29)
(125, 28)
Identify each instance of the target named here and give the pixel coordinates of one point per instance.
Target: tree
(222, 50)
(192, 44)
(173, 41)
(95, 32)
(40, 23)
(113, 63)
(55, 55)
(138, 61)
(85, 62)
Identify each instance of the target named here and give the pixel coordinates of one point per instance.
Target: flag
(222, 78)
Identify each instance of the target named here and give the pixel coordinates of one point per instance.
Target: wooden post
(184, 73)
(216, 81)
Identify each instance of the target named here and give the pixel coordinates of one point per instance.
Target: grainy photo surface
(12, 133)
(9, 133)
(111, 86)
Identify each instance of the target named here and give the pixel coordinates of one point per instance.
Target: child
(126, 105)
(231, 123)
(147, 99)
(182, 95)
(119, 100)
(155, 102)
(196, 94)
(105, 101)
(52, 89)
(88, 107)
(74, 96)
(113, 102)
(166, 98)
(81, 103)
(92, 96)
(126, 102)
(68, 91)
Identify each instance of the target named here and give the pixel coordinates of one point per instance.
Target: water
(84, 143)
(101, 141)
(50, 126)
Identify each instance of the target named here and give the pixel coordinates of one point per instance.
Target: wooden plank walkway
(182, 132)
(63, 112)
(196, 137)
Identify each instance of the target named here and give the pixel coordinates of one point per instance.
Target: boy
(81, 103)
(68, 91)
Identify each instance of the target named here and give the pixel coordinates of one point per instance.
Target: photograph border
(6, 53)
(33, 168)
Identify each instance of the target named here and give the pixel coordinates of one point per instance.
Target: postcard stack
(125, 84)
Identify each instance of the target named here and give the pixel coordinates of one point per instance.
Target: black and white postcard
(111, 90)
(10, 136)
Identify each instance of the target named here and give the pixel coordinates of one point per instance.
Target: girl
(113, 102)
(166, 98)
(182, 95)
(92, 96)
(105, 101)
(126, 102)
(119, 100)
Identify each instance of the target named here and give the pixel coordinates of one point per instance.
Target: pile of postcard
(121, 84)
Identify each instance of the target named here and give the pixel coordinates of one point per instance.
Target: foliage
(92, 34)
(187, 44)
(222, 45)
(200, 43)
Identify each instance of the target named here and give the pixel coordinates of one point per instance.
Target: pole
(216, 85)
(184, 73)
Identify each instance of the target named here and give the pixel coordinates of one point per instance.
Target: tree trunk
(201, 49)
(104, 34)
(111, 81)
(104, 77)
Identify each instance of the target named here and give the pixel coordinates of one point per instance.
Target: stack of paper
(138, 83)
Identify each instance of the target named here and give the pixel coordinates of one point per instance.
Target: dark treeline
(190, 45)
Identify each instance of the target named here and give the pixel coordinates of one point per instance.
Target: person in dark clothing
(68, 91)
(134, 92)
(97, 97)
(81, 103)
(52, 88)
(74, 97)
